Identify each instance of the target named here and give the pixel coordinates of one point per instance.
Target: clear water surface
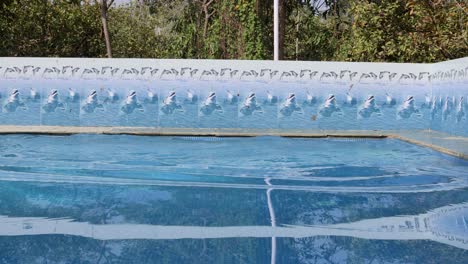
(131, 199)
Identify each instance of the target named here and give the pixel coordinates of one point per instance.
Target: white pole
(275, 29)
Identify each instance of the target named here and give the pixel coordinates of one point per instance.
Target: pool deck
(449, 144)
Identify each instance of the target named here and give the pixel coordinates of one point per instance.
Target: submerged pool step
(203, 139)
(352, 139)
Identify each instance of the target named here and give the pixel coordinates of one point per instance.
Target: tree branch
(110, 3)
(212, 13)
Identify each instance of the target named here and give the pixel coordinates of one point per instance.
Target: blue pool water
(131, 199)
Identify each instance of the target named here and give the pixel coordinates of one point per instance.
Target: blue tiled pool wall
(450, 90)
(234, 94)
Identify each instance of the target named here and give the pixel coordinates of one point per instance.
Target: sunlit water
(129, 199)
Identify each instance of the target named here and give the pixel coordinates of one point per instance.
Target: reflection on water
(125, 199)
(446, 225)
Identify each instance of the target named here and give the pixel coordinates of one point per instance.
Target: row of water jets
(248, 106)
(105, 72)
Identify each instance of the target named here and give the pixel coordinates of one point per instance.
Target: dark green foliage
(349, 30)
(406, 31)
(46, 28)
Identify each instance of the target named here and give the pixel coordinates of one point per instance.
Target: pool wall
(216, 94)
(450, 89)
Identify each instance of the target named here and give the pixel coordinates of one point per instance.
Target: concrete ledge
(434, 147)
(442, 142)
(214, 132)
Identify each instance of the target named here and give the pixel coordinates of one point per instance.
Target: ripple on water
(291, 164)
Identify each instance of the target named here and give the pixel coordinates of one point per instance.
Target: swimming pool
(246, 195)
(138, 199)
